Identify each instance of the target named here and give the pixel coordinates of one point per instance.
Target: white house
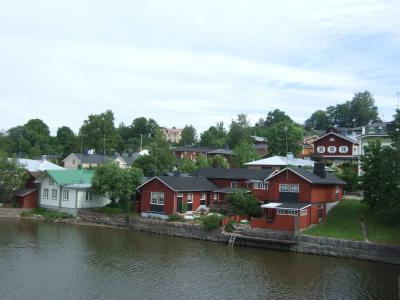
(68, 190)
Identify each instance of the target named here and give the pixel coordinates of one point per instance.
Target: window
(343, 149)
(303, 212)
(51, 181)
(259, 185)
(73, 161)
(65, 195)
(157, 198)
(45, 193)
(287, 212)
(215, 196)
(190, 198)
(234, 184)
(203, 199)
(53, 194)
(286, 188)
(180, 195)
(331, 149)
(320, 149)
(88, 196)
(332, 139)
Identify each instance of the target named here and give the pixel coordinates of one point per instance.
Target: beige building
(172, 134)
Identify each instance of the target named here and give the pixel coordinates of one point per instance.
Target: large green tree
(188, 136)
(99, 133)
(118, 184)
(244, 153)
(218, 161)
(318, 121)
(276, 116)
(284, 137)
(239, 131)
(215, 136)
(12, 178)
(67, 140)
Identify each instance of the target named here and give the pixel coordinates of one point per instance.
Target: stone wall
(262, 238)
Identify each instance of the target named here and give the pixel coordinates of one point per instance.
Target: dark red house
(335, 147)
(299, 197)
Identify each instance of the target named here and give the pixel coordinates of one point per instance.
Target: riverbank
(267, 239)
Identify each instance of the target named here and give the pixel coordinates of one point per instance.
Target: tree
(348, 172)
(244, 153)
(116, 183)
(244, 204)
(318, 121)
(218, 161)
(239, 131)
(99, 133)
(146, 163)
(187, 166)
(363, 109)
(67, 140)
(215, 136)
(277, 116)
(12, 178)
(188, 135)
(278, 144)
(201, 161)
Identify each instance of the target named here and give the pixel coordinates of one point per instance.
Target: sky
(193, 62)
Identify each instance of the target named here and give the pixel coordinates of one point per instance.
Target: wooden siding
(338, 141)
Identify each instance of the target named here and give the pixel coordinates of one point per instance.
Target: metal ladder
(232, 240)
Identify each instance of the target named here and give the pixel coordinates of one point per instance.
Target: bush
(230, 227)
(175, 218)
(245, 204)
(46, 213)
(211, 222)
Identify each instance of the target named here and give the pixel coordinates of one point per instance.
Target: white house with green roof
(68, 190)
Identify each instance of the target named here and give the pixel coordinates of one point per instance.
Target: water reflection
(41, 260)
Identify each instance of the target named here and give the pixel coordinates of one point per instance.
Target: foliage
(218, 161)
(47, 213)
(318, 121)
(99, 133)
(116, 183)
(211, 221)
(146, 163)
(215, 136)
(230, 227)
(244, 204)
(276, 116)
(276, 136)
(163, 157)
(187, 166)
(348, 172)
(239, 131)
(201, 161)
(244, 153)
(67, 140)
(175, 218)
(188, 136)
(12, 178)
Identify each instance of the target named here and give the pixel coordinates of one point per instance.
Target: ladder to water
(232, 240)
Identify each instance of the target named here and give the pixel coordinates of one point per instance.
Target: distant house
(298, 198)
(279, 162)
(260, 145)
(165, 195)
(27, 197)
(86, 161)
(172, 135)
(308, 146)
(190, 153)
(372, 133)
(68, 190)
(335, 147)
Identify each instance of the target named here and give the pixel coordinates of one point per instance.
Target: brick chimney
(319, 170)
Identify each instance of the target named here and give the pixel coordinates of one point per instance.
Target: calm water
(40, 260)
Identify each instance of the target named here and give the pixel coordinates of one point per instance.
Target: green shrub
(48, 214)
(230, 227)
(175, 218)
(211, 222)
(245, 204)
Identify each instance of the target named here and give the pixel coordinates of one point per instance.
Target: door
(189, 202)
(179, 200)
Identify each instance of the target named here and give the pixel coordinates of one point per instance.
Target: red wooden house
(299, 197)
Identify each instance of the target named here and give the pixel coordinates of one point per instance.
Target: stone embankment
(10, 212)
(268, 239)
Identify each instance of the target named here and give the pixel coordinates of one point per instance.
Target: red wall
(28, 201)
(325, 193)
(289, 178)
(337, 143)
(157, 186)
(281, 222)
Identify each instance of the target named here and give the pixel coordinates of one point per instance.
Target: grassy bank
(344, 222)
(47, 214)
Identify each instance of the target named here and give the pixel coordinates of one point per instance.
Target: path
(10, 212)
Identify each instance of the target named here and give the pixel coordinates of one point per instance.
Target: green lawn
(344, 222)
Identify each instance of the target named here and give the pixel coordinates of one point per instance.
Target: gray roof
(129, 158)
(338, 135)
(187, 184)
(221, 151)
(193, 149)
(313, 178)
(94, 158)
(230, 190)
(233, 173)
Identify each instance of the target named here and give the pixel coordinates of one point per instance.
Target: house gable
(334, 145)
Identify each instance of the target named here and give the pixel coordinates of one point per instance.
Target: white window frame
(294, 188)
(283, 187)
(51, 181)
(189, 198)
(259, 185)
(343, 149)
(54, 194)
(65, 195)
(321, 149)
(332, 139)
(89, 196)
(45, 193)
(234, 184)
(179, 195)
(215, 196)
(157, 198)
(289, 188)
(203, 196)
(303, 212)
(287, 212)
(332, 149)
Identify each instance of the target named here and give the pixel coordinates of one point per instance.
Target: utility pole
(82, 144)
(398, 100)
(104, 144)
(141, 142)
(155, 165)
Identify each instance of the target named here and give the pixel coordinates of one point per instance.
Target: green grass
(48, 214)
(344, 222)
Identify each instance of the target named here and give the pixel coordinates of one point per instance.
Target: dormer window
(332, 139)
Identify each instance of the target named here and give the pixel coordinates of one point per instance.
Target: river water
(40, 260)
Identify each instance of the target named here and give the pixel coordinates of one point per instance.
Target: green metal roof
(63, 177)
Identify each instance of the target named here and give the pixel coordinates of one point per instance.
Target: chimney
(44, 157)
(319, 170)
(290, 156)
